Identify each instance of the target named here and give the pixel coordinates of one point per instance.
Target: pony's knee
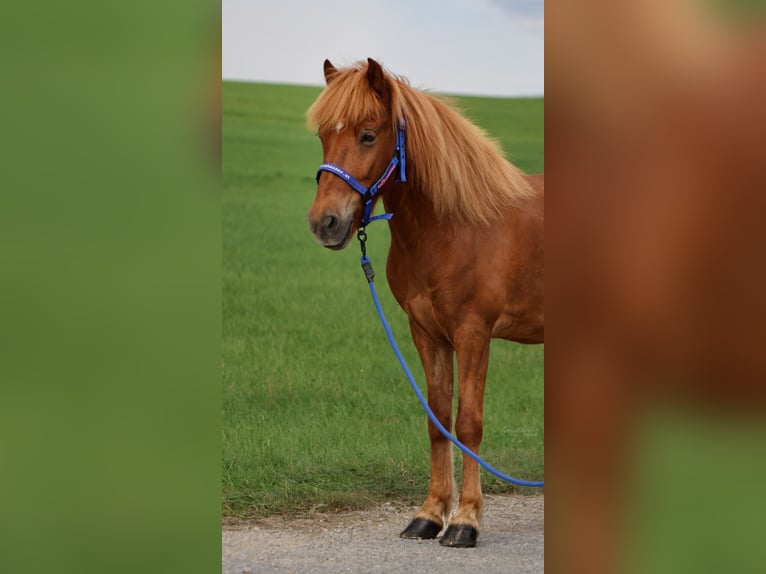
(469, 428)
(443, 411)
(434, 433)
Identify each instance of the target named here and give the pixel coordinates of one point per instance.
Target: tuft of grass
(316, 411)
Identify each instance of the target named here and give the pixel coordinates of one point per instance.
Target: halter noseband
(368, 193)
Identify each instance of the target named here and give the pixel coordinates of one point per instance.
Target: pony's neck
(413, 215)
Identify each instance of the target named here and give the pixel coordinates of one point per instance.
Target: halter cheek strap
(368, 193)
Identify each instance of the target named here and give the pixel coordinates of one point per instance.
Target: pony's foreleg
(437, 362)
(472, 348)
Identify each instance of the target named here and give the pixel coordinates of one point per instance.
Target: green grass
(695, 494)
(316, 411)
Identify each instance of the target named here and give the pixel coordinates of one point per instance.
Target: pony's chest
(417, 298)
(421, 310)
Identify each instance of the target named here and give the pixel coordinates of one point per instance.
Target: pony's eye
(367, 137)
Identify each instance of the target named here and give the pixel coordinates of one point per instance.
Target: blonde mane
(449, 159)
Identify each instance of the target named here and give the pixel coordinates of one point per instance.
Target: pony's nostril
(330, 222)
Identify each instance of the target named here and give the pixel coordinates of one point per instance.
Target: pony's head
(354, 121)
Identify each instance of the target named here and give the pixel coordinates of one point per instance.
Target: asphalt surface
(511, 540)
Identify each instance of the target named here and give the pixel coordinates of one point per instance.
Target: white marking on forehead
(339, 127)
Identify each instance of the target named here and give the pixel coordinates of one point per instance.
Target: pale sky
(481, 47)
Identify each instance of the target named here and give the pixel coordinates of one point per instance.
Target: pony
(465, 261)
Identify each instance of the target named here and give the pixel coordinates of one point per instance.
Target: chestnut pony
(466, 255)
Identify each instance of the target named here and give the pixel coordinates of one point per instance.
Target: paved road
(511, 540)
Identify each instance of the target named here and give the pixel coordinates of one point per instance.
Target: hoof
(460, 536)
(421, 528)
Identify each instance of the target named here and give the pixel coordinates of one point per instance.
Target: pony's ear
(329, 71)
(377, 79)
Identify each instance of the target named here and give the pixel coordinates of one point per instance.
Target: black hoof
(460, 536)
(421, 528)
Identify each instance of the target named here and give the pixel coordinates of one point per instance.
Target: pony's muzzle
(331, 230)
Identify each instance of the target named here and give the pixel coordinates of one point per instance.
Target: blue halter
(368, 193)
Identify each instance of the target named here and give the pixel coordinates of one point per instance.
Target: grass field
(316, 412)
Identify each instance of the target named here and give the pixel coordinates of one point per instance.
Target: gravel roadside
(511, 540)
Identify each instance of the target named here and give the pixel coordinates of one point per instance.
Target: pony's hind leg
(472, 349)
(437, 362)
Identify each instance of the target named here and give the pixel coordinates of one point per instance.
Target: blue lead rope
(370, 275)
